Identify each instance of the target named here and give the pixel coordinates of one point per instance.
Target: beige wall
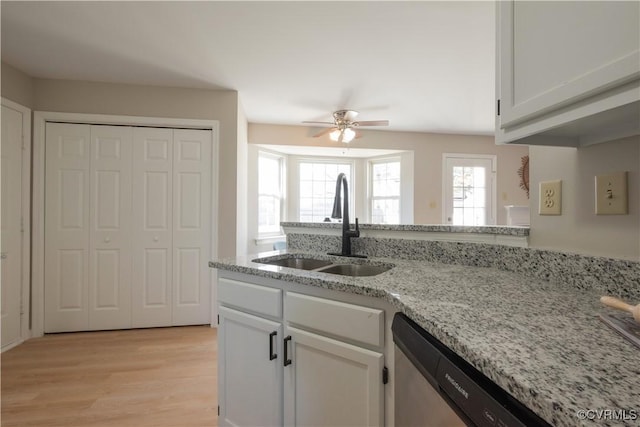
(428, 150)
(151, 101)
(578, 229)
(16, 86)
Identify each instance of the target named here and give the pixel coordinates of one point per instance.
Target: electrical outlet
(612, 194)
(550, 198)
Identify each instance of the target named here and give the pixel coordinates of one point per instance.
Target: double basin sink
(326, 266)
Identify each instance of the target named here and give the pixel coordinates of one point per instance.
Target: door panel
(188, 277)
(251, 378)
(319, 367)
(10, 225)
(110, 223)
(67, 190)
(71, 272)
(152, 227)
(71, 209)
(155, 281)
(107, 279)
(191, 230)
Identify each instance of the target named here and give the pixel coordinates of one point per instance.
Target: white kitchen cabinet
(331, 383)
(250, 384)
(286, 358)
(568, 73)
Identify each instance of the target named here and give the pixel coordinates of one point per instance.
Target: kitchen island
(539, 340)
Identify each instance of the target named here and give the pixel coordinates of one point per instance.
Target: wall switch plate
(612, 194)
(550, 198)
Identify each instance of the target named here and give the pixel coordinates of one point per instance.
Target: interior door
(152, 227)
(11, 225)
(67, 194)
(110, 223)
(191, 226)
(469, 190)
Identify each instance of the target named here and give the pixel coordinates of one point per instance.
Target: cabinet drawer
(336, 318)
(254, 298)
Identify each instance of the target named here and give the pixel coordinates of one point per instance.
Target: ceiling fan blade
(320, 123)
(324, 132)
(372, 123)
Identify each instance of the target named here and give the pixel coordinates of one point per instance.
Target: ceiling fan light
(349, 134)
(335, 135)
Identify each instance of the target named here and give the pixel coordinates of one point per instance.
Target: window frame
(370, 197)
(277, 231)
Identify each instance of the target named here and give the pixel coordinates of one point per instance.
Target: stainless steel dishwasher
(434, 387)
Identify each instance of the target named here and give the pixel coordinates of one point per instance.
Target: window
(270, 194)
(385, 191)
(318, 188)
(469, 193)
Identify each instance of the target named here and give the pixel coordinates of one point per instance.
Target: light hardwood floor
(160, 377)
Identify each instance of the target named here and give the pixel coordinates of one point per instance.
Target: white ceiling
(425, 66)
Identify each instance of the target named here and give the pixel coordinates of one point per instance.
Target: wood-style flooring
(160, 377)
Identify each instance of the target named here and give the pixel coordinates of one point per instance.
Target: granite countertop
(538, 340)
(433, 228)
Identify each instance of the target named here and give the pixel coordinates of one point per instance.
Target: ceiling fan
(343, 125)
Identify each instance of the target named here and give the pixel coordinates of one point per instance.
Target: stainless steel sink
(300, 263)
(355, 270)
(326, 266)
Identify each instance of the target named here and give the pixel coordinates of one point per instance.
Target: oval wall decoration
(523, 173)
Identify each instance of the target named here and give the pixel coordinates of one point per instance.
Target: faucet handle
(357, 228)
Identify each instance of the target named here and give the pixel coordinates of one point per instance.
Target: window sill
(266, 240)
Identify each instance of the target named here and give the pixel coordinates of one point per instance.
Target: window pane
(306, 172)
(469, 195)
(385, 192)
(319, 171)
(318, 190)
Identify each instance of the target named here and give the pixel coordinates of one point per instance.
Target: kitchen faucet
(347, 233)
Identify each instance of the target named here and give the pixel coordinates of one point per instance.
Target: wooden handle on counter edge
(617, 303)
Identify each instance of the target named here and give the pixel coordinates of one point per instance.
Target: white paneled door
(152, 218)
(110, 228)
(191, 230)
(11, 225)
(127, 233)
(67, 193)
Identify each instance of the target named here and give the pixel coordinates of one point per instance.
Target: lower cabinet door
(331, 383)
(249, 370)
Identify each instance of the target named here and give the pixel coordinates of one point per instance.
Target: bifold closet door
(191, 226)
(110, 228)
(171, 214)
(153, 219)
(87, 227)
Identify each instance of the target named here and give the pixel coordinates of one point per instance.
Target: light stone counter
(503, 235)
(539, 340)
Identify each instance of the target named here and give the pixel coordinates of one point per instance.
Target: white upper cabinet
(568, 73)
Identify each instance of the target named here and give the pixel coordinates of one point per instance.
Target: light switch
(611, 194)
(550, 198)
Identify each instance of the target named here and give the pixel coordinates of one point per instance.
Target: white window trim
(370, 198)
(265, 237)
(494, 184)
